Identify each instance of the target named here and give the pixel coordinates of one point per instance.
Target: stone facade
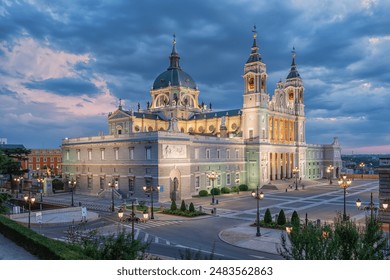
(176, 141)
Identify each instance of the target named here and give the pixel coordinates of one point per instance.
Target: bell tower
(256, 98)
(295, 92)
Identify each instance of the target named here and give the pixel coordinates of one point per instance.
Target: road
(173, 238)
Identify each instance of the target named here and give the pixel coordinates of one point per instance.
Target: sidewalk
(244, 236)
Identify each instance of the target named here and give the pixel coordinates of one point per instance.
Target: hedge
(42, 247)
(203, 193)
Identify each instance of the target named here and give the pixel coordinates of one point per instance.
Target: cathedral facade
(176, 142)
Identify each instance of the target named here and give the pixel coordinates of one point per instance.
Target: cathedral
(177, 143)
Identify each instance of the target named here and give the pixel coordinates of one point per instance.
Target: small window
(103, 154)
(148, 153)
(131, 153)
(207, 153)
(197, 182)
(228, 179)
(116, 153)
(89, 154)
(196, 153)
(227, 154)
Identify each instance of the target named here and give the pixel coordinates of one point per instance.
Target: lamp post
(329, 170)
(371, 206)
(17, 181)
(150, 189)
(258, 196)
(362, 165)
(344, 183)
(40, 182)
(296, 172)
(72, 184)
(29, 199)
(212, 176)
(120, 215)
(113, 185)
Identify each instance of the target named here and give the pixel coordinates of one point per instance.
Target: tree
(192, 207)
(120, 247)
(3, 198)
(10, 162)
(295, 221)
(267, 216)
(173, 205)
(281, 218)
(342, 241)
(183, 206)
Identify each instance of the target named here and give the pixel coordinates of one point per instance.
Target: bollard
(200, 208)
(215, 211)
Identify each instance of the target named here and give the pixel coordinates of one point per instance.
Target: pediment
(118, 114)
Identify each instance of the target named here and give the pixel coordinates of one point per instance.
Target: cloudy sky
(65, 64)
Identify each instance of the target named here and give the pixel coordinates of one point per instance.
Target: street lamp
(40, 182)
(18, 182)
(29, 200)
(150, 189)
(362, 165)
(296, 172)
(371, 206)
(72, 184)
(212, 176)
(120, 215)
(113, 185)
(329, 170)
(258, 196)
(344, 183)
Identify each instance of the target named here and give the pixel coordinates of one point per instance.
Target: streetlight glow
(344, 183)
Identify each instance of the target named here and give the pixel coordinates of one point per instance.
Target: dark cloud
(65, 86)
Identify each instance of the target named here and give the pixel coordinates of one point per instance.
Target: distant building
(44, 162)
(176, 142)
(3, 141)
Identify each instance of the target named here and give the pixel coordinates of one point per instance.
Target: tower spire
(174, 57)
(293, 71)
(254, 56)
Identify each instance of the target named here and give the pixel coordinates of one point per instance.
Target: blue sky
(65, 64)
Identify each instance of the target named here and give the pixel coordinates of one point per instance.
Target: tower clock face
(251, 83)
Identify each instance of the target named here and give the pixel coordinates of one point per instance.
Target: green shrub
(267, 216)
(215, 191)
(191, 208)
(281, 218)
(44, 248)
(243, 188)
(173, 205)
(295, 221)
(183, 213)
(225, 190)
(203, 193)
(183, 206)
(235, 189)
